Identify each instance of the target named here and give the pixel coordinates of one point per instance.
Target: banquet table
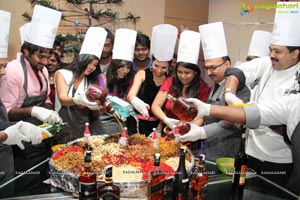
(34, 184)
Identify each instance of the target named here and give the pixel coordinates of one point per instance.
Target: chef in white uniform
(267, 151)
(259, 44)
(259, 47)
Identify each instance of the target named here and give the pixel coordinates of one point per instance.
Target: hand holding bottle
(203, 108)
(195, 133)
(14, 136)
(45, 115)
(140, 106)
(231, 98)
(33, 132)
(171, 123)
(82, 100)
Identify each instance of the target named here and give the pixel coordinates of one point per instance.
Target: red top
(166, 86)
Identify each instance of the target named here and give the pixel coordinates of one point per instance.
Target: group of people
(121, 64)
(272, 117)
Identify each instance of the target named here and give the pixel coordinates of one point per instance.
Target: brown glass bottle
(185, 111)
(181, 179)
(156, 180)
(87, 180)
(199, 179)
(240, 166)
(108, 190)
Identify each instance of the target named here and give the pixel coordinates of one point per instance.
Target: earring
(151, 69)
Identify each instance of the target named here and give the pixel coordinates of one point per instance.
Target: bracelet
(228, 90)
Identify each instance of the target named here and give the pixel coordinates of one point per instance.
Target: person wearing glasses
(223, 142)
(268, 152)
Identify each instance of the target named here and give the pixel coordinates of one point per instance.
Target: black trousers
(276, 172)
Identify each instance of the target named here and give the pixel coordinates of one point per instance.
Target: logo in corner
(246, 9)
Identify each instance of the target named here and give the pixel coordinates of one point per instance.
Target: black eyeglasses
(214, 67)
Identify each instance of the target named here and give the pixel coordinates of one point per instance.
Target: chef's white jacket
(263, 143)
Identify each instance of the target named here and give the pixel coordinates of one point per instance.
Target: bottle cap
(154, 137)
(124, 132)
(156, 159)
(88, 156)
(108, 171)
(182, 149)
(87, 129)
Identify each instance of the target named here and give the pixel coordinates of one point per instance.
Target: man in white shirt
(267, 150)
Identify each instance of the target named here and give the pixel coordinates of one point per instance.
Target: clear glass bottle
(181, 179)
(87, 179)
(156, 180)
(108, 191)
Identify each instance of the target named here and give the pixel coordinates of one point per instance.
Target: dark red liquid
(185, 111)
(96, 93)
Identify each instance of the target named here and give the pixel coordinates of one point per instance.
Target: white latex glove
(33, 132)
(82, 100)
(140, 106)
(171, 123)
(203, 108)
(231, 98)
(14, 136)
(45, 115)
(195, 133)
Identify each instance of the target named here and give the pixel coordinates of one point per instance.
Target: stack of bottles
(158, 185)
(88, 183)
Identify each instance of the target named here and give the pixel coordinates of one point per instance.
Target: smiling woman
(73, 81)
(186, 80)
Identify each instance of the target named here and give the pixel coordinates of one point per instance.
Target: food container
(226, 165)
(68, 180)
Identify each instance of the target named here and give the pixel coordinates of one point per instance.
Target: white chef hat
(259, 45)
(189, 46)
(213, 40)
(124, 44)
(24, 29)
(93, 42)
(43, 27)
(286, 27)
(163, 41)
(4, 32)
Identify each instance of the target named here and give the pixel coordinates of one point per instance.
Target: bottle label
(243, 175)
(157, 187)
(185, 180)
(109, 196)
(87, 190)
